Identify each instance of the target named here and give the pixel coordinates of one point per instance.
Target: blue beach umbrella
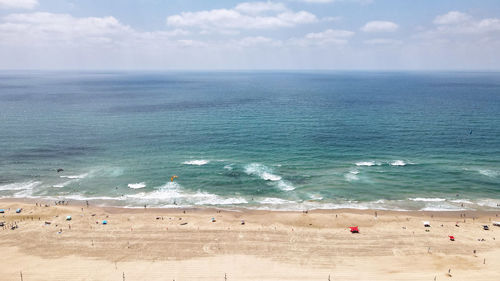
(68, 218)
(18, 211)
(2, 211)
(104, 222)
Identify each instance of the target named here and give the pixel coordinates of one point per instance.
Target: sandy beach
(185, 244)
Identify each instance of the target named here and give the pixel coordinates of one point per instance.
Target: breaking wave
(265, 173)
(398, 163)
(368, 163)
(20, 185)
(137, 185)
(196, 162)
(82, 176)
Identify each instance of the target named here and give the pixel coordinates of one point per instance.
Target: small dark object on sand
(184, 223)
(2, 223)
(485, 227)
(47, 223)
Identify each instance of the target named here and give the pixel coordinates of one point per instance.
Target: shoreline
(184, 244)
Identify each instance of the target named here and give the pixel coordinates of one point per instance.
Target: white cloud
(58, 30)
(453, 17)
(331, 1)
(455, 22)
(380, 26)
(254, 8)
(243, 16)
(327, 37)
(18, 4)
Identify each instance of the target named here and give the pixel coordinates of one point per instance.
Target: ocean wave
(228, 167)
(261, 171)
(173, 194)
(315, 197)
(368, 163)
(398, 163)
(493, 203)
(82, 176)
(61, 185)
(265, 173)
(196, 162)
(427, 199)
(442, 208)
(275, 201)
(352, 175)
(20, 185)
(137, 185)
(489, 173)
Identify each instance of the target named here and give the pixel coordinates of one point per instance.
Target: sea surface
(261, 140)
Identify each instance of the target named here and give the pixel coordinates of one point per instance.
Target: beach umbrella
(354, 229)
(104, 222)
(18, 211)
(68, 218)
(2, 211)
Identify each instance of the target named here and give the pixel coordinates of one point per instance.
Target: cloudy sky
(227, 34)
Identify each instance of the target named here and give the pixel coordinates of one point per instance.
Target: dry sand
(151, 244)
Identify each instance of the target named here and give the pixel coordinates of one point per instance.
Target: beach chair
(354, 229)
(452, 238)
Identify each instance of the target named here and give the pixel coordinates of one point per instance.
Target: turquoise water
(276, 140)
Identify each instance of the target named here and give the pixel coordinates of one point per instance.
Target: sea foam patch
(368, 163)
(265, 173)
(137, 185)
(20, 185)
(196, 162)
(398, 163)
(82, 176)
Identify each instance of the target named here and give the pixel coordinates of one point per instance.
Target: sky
(253, 35)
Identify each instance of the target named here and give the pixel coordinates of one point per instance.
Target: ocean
(275, 140)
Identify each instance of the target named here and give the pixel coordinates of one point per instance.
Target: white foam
(275, 201)
(266, 174)
(261, 171)
(228, 167)
(367, 163)
(488, 173)
(20, 185)
(196, 162)
(137, 185)
(82, 176)
(213, 199)
(427, 199)
(352, 175)
(60, 185)
(462, 201)
(493, 203)
(315, 197)
(398, 163)
(270, 177)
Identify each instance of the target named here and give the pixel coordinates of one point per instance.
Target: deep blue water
(282, 140)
